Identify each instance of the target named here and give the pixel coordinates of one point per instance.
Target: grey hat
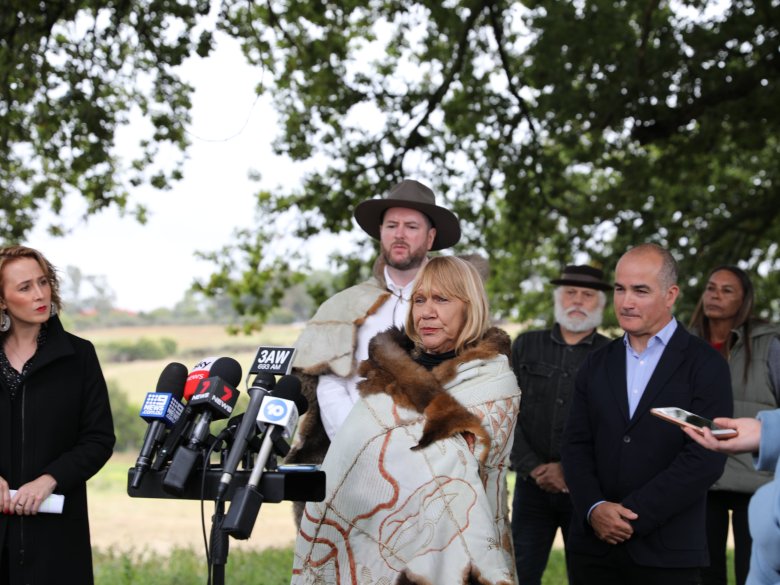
(584, 276)
(413, 195)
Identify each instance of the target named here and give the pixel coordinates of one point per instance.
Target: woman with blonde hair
(416, 477)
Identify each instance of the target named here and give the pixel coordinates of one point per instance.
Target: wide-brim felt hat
(584, 276)
(413, 195)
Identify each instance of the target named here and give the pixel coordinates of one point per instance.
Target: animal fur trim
(390, 369)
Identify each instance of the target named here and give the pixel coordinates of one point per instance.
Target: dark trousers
(536, 516)
(617, 568)
(719, 503)
(5, 567)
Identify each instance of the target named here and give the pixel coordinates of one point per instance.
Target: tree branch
(652, 6)
(498, 32)
(414, 139)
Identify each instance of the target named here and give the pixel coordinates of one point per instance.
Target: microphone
(215, 397)
(161, 409)
(263, 384)
(224, 440)
(199, 371)
(280, 412)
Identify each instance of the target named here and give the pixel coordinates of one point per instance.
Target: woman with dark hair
(724, 317)
(416, 476)
(56, 429)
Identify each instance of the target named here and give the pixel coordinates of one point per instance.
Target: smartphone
(298, 467)
(684, 418)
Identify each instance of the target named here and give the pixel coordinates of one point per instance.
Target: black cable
(206, 544)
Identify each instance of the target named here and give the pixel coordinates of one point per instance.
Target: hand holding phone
(683, 418)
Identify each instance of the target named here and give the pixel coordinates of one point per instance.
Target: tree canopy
(71, 75)
(558, 131)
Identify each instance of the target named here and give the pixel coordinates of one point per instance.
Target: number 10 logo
(275, 410)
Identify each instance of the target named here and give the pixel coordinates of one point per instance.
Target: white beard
(575, 324)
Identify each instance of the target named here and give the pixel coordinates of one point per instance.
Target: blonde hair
(11, 253)
(453, 277)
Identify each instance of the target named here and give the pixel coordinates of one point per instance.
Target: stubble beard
(413, 261)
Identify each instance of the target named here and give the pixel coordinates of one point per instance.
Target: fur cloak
(416, 478)
(327, 346)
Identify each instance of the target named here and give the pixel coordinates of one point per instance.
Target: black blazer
(644, 463)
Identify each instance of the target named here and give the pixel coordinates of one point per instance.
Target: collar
(662, 337)
(403, 292)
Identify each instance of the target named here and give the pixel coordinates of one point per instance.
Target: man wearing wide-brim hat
(545, 363)
(408, 224)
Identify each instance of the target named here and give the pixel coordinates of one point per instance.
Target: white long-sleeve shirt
(336, 394)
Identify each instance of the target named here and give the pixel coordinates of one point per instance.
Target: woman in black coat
(56, 429)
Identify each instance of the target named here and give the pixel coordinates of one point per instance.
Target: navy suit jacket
(645, 463)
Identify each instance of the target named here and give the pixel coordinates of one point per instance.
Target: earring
(53, 310)
(5, 322)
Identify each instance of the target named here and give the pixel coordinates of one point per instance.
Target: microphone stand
(274, 486)
(219, 541)
(220, 544)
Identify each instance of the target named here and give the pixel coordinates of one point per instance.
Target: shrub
(141, 349)
(129, 434)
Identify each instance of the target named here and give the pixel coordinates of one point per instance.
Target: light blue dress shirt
(640, 366)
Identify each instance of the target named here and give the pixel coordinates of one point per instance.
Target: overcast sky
(150, 266)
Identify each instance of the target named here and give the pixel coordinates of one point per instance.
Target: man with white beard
(545, 363)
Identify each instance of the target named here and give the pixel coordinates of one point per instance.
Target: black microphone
(183, 426)
(215, 397)
(261, 387)
(224, 440)
(279, 411)
(161, 409)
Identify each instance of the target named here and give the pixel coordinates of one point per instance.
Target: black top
(10, 376)
(431, 360)
(545, 366)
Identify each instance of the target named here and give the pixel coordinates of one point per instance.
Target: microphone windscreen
(264, 380)
(172, 379)
(232, 425)
(289, 388)
(228, 369)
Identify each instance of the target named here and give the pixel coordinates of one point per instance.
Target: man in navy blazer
(638, 483)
